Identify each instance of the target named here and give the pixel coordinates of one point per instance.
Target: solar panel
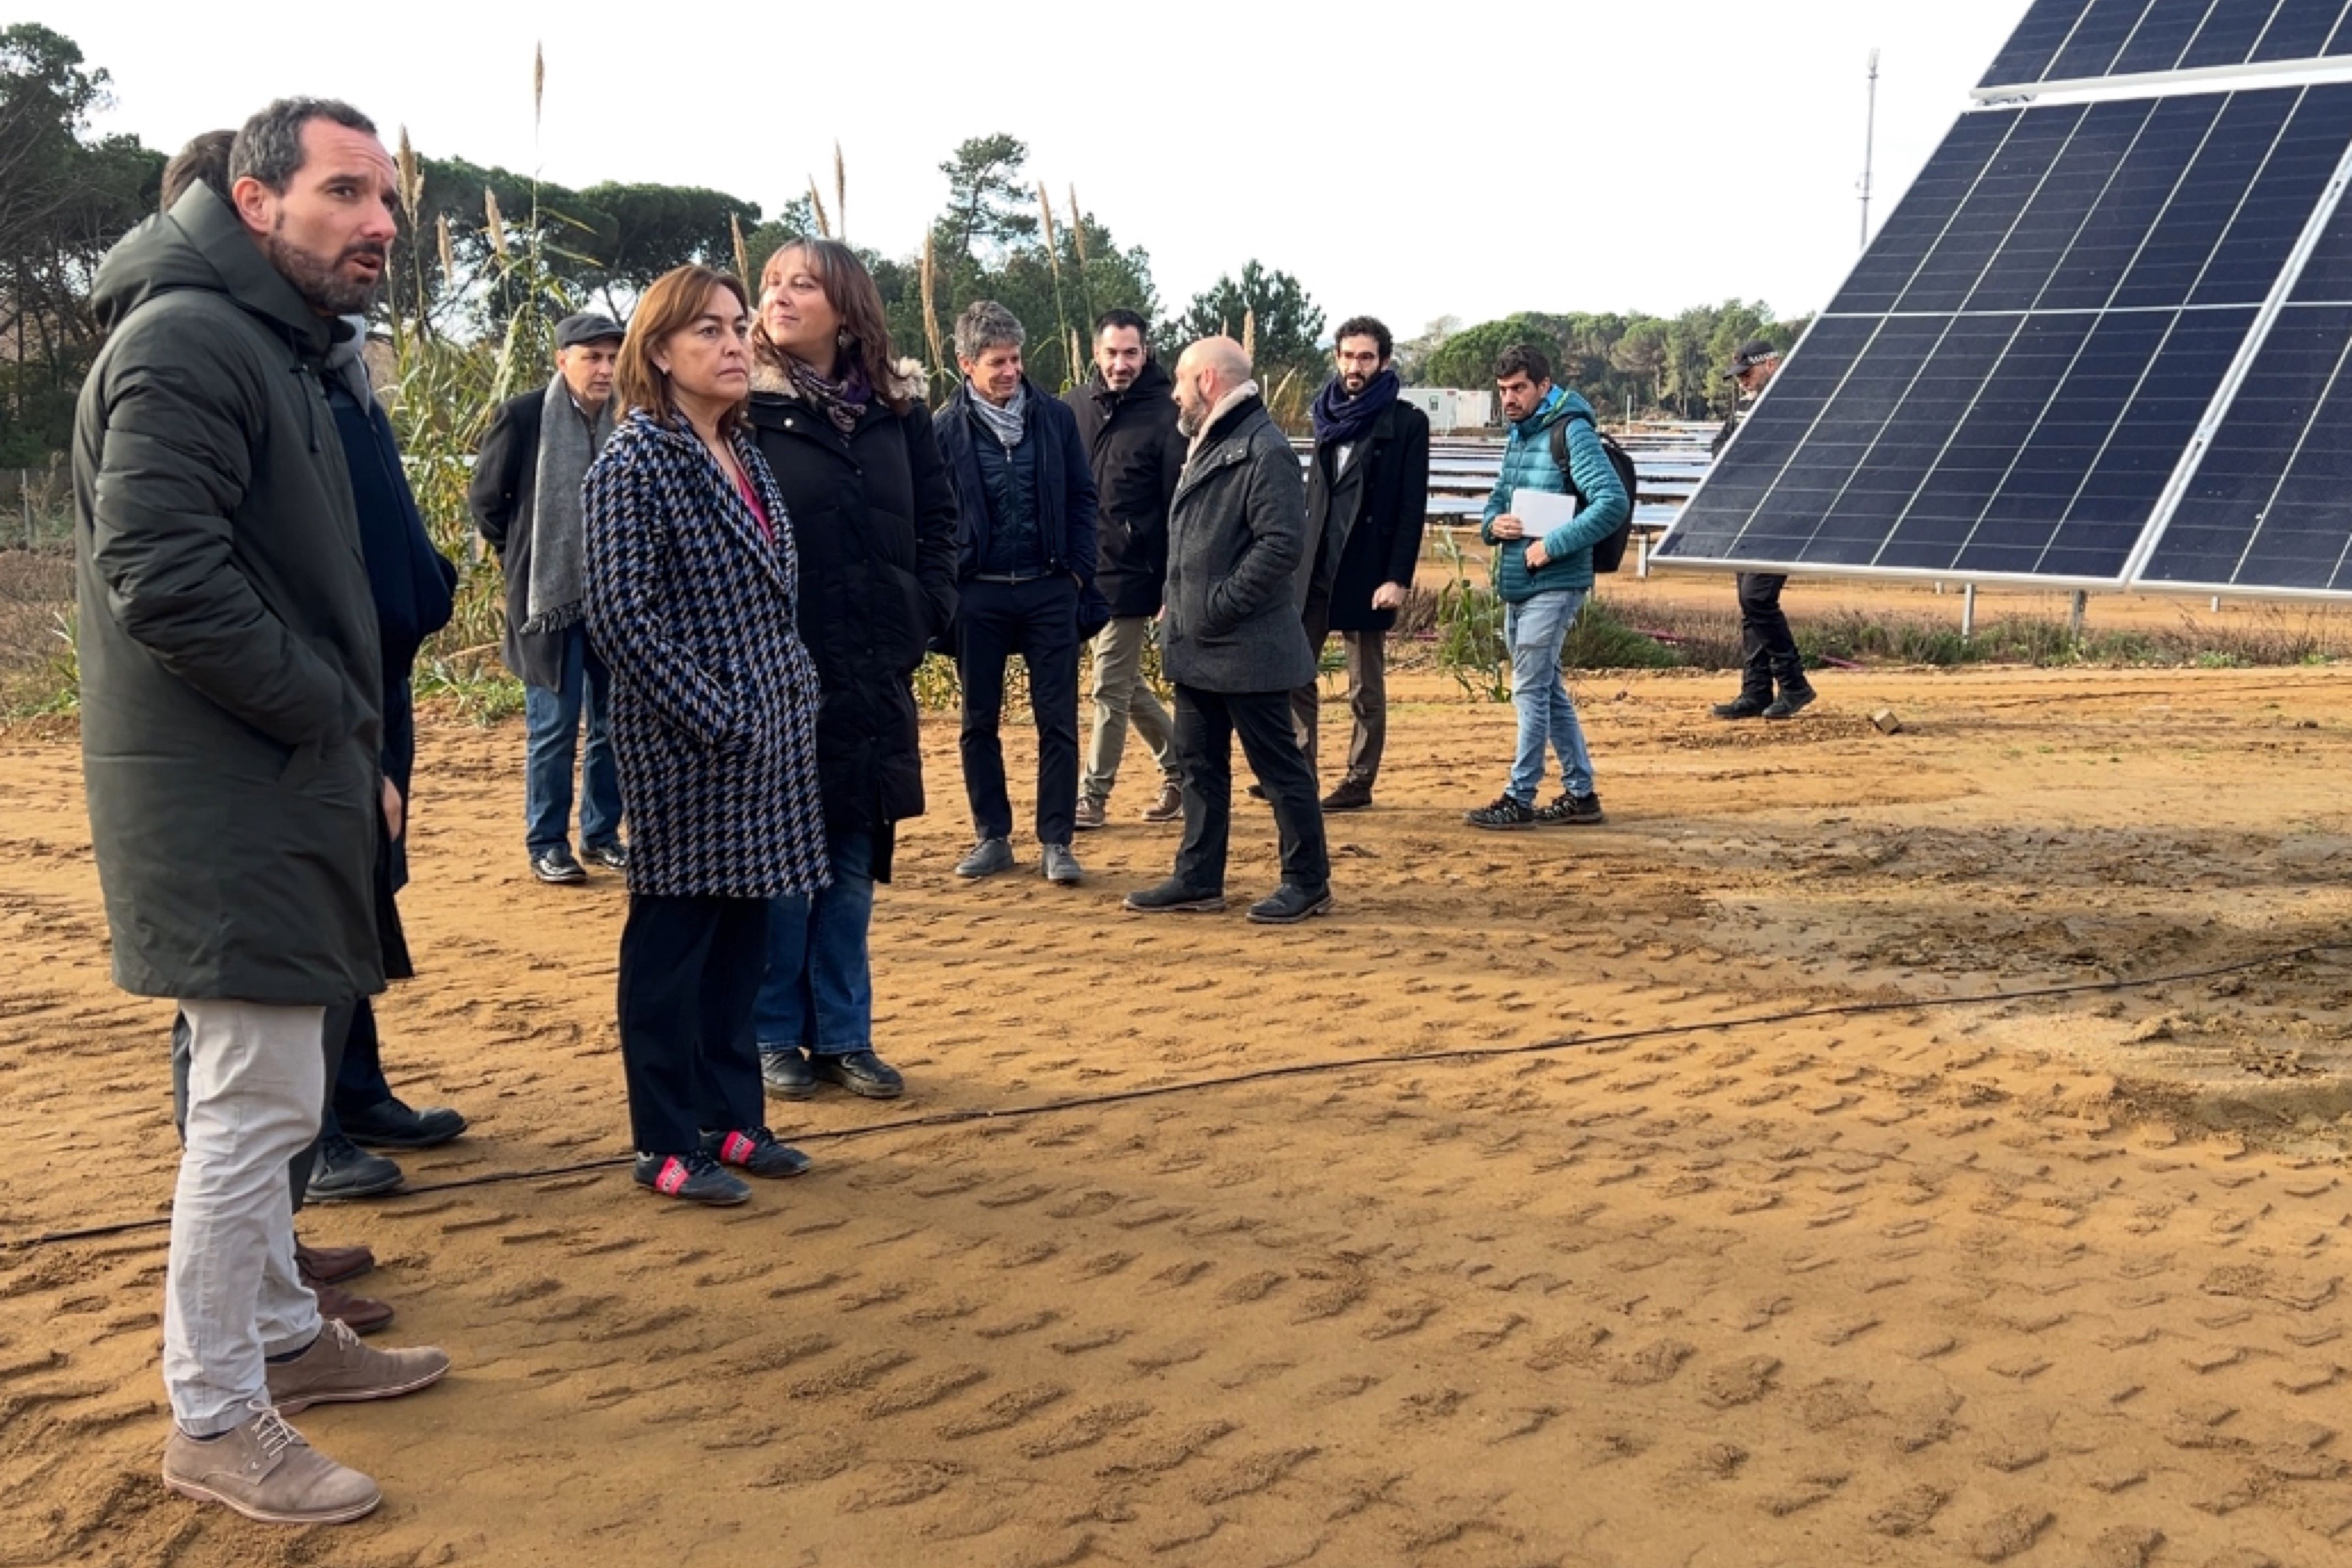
(2269, 507)
(2074, 41)
(2007, 382)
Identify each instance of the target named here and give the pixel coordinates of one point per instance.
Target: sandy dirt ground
(2051, 1280)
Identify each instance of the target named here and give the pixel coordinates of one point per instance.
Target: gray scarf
(567, 446)
(1007, 423)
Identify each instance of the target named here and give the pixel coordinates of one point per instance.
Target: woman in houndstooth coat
(691, 591)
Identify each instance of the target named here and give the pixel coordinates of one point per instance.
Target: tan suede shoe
(265, 1470)
(338, 1369)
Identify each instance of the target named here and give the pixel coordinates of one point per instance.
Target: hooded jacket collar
(1149, 383)
(201, 245)
(1557, 405)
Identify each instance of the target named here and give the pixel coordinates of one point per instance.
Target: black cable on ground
(1302, 1069)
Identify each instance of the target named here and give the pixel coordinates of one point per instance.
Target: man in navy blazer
(1025, 569)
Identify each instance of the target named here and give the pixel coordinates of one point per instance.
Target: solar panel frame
(2262, 509)
(2117, 495)
(2061, 44)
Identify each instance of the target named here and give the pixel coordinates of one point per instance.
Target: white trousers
(256, 1078)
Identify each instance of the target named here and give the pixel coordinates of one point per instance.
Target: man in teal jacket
(1543, 581)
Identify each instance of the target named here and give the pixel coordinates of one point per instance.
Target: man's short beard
(322, 288)
(1188, 420)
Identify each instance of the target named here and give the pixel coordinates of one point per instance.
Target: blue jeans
(1535, 631)
(551, 727)
(819, 990)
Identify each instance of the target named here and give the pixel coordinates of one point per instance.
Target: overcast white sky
(1408, 160)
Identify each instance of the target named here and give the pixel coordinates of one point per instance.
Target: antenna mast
(1869, 146)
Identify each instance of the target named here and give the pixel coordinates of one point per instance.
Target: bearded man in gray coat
(231, 693)
(1236, 646)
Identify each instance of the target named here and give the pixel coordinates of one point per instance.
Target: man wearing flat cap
(525, 498)
(1768, 645)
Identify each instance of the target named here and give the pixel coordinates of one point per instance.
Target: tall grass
(443, 395)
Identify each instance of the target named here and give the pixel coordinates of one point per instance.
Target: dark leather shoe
(1173, 897)
(861, 1073)
(785, 1074)
(389, 1124)
(1289, 904)
(555, 864)
(331, 1265)
(345, 1171)
(757, 1152)
(1792, 702)
(1170, 806)
(1351, 794)
(361, 1314)
(612, 857)
(1747, 705)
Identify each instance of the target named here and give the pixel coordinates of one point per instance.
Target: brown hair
(1520, 358)
(204, 161)
(674, 303)
(849, 290)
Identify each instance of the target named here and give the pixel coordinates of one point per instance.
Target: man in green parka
(230, 727)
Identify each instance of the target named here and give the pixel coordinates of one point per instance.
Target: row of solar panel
(2091, 40)
(2010, 380)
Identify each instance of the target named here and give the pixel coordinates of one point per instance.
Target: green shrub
(1601, 640)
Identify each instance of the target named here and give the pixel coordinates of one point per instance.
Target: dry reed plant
(496, 224)
(931, 307)
(1061, 311)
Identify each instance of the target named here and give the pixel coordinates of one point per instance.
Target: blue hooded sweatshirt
(1528, 465)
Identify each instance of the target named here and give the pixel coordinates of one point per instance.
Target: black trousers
(1206, 722)
(1767, 647)
(358, 1084)
(1039, 621)
(690, 970)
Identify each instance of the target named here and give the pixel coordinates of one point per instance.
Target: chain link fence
(36, 510)
(38, 673)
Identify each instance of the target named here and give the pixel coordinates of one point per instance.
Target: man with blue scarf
(1543, 581)
(1367, 499)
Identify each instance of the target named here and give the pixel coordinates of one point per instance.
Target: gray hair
(269, 148)
(985, 324)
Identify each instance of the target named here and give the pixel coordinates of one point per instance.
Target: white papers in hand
(1540, 511)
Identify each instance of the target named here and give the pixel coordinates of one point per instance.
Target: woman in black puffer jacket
(846, 433)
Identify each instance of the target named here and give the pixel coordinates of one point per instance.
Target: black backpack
(1608, 553)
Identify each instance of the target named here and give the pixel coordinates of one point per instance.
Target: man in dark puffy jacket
(232, 695)
(411, 583)
(1127, 421)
